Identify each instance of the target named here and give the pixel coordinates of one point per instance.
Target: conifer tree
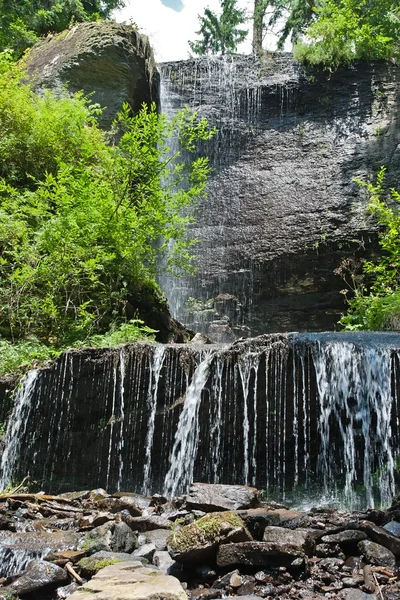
(220, 34)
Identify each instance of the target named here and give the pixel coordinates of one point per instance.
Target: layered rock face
(113, 63)
(282, 210)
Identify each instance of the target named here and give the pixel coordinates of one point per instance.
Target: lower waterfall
(309, 418)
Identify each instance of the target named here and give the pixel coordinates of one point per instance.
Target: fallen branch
(378, 586)
(73, 573)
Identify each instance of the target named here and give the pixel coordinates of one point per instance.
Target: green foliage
(220, 34)
(377, 306)
(346, 30)
(23, 22)
(86, 222)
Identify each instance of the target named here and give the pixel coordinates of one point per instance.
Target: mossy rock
(90, 565)
(199, 540)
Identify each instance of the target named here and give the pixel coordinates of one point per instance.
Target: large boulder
(113, 63)
(38, 576)
(211, 497)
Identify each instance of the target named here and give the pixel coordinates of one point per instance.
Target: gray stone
(165, 563)
(146, 551)
(130, 581)
(147, 523)
(158, 537)
(38, 575)
(354, 594)
(112, 61)
(114, 505)
(117, 537)
(298, 541)
(212, 497)
(376, 554)
(256, 554)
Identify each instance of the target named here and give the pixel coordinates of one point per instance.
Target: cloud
(169, 30)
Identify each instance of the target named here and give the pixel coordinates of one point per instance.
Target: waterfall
(18, 424)
(309, 418)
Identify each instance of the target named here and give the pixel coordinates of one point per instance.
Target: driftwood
(68, 567)
(33, 498)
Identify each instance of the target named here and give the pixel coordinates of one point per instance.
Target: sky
(171, 23)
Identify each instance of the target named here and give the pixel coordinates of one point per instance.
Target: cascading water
(308, 417)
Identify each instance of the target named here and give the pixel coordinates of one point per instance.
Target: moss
(91, 566)
(206, 530)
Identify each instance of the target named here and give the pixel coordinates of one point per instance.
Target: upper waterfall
(282, 210)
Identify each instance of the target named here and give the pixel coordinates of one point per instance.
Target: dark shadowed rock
(146, 523)
(211, 497)
(111, 61)
(382, 537)
(376, 554)
(38, 575)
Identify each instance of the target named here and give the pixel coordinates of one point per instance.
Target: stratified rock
(349, 536)
(376, 554)
(211, 497)
(39, 575)
(299, 541)
(112, 61)
(197, 543)
(382, 537)
(257, 554)
(130, 581)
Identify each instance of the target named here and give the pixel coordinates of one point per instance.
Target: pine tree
(220, 35)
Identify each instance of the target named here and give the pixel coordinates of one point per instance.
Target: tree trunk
(258, 17)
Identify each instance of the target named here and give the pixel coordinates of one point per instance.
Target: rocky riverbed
(218, 541)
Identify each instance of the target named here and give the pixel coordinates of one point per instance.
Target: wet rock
(95, 520)
(376, 554)
(393, 527)
(67, 555)
(206, 573)
(256, 554)
(142, 502)
(298, 541)
(212, 497)
(66, 590)
(198, 542)
(327, 550)
(39, 575)
(158, 537)
(84, 495)
(130, 581)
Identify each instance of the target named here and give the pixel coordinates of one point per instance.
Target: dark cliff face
(282, 210)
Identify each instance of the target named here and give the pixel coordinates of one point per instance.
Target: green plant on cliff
(86, 222)
(220, 34)
(23, 22)
(347, 30)
(375, 303)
